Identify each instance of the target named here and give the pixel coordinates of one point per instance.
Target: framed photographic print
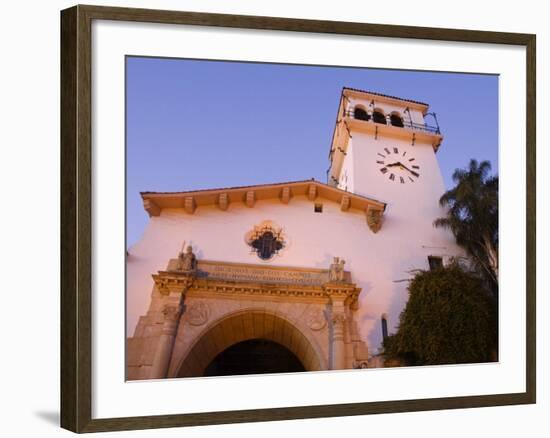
(304, 218)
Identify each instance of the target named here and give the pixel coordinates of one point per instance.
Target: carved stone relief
(315, 319)
(374, 219)
(197, 313)
(171, 312)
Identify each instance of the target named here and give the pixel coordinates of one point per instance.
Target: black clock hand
(411, 171)
(398, 163)
(404, 167)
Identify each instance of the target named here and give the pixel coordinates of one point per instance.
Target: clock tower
(383, 148)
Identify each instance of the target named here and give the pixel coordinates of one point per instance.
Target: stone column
(338, 345)
(343, 298)
(163, 354)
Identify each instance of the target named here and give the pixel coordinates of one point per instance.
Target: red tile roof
(386, 95)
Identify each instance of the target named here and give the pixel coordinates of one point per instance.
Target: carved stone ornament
(187, 260)
(174, 281)
(336, 271)
(338, 318)
(374, 219)
(197, 313)
(171, 312)
(315, 319)
(266, 240)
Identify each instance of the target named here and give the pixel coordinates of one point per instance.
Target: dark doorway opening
(255, 356)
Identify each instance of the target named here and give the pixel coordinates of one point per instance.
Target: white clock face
(398, 165)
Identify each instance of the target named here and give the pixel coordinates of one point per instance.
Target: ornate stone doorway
(205, 308)
(255, 356)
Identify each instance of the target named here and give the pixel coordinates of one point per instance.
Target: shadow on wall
(50, 417)
(326, 261)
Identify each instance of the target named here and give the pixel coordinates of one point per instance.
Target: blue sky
(195, 124)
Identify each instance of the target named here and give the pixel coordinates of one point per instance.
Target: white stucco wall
(346, 180)
(376, 261)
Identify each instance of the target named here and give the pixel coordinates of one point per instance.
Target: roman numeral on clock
(392, 176)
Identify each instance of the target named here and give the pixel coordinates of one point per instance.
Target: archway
(255, 356)
(396, 120)
(378, 117)
(247, 332)
(360, 113)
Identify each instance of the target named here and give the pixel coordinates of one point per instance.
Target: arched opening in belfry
(250, 342)
(254, 356)
(378, 117)
(396, 120)
(360, 113)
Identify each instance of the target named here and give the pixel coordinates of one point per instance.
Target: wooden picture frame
(76, 217)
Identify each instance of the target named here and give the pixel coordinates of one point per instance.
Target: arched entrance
(265, 342)
(255, 356)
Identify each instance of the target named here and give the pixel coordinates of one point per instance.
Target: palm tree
(472, 216)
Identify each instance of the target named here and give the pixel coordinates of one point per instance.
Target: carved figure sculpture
(341, 273)
(188, 261)
(336, 271)
(333, 270)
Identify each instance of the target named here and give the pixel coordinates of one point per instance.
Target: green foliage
(449, 318)
(472, 216)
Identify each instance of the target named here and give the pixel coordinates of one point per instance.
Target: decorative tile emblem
(266, 240)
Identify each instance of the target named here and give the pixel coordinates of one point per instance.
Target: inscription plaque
(261, 274)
